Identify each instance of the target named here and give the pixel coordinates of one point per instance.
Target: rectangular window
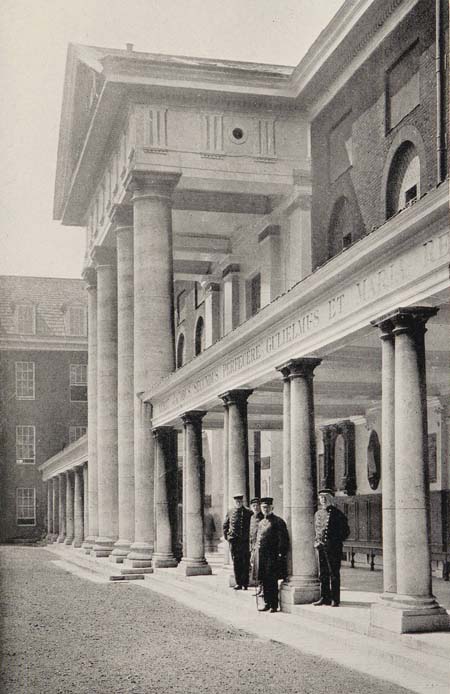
(26, 319)
(25, 444)
(76, 432)
(77, 324)
(26, 506)
(340, 147)
(403, 86)
(253, 295)
(78, 382)
(25, 380)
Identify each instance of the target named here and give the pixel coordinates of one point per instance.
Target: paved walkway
(67, 632)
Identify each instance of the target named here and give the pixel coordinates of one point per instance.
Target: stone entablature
(70, 457)
(402, 263)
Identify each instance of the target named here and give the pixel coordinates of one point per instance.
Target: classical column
(91, 507)
(388, 455)
(106, 401)
(231, 309)
(153, 338)
(70, 532)
(125, 382)
(302, 585)
(238, 476)
(49, 510)
(62, 507)
(287, 500)
(55, 505)
(226, 471)
(85, 501)
(165, 495)
(193, 562)
(270, 263)
(413, 608)
(78, 507)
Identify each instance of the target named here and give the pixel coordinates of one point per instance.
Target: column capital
(152, 184)
(160, 433)
(193, 416)
(211, 286)
(405, 319)
(89, 275)
(236, 397)
(232, 268)
(122, 216)
(299, 368)
(103, 256)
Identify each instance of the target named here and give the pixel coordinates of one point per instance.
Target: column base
(103, 547)
(164, 561)
(88, 544)
(60, 538)
(140, 556)
(299, 591)
(406, 614)
(77, 543)
(121, 551)
(194, 567)
(68, 540)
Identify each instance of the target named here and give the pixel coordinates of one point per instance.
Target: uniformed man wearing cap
(331, 530)
(236, 530)
(272, 543)
(255, 505)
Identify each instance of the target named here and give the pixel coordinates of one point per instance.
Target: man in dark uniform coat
(272, 543)
(236, 530)
(255, 505)
(331, 530)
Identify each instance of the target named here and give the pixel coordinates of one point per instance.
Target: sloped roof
(51, 297)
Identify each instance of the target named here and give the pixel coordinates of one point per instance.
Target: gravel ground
(61, 634)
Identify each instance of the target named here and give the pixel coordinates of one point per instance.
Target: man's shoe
(266, 608)
(244, 587)
(274, 609)
(321, 602)
(237, 587)
(334, 603)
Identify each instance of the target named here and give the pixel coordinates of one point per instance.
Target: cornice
(70, 457)
(44, 344)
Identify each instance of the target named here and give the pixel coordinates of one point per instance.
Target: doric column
(226, 474)
(302, 585)
(413, 608)
(153, 338)
(62, 507)
(125, 381)
(238, 475)
(85, 501)
(49, 510)
(165, 495)
(388, 454)
(78, 507)
(193, 562)
(106, 401)
(287, 501)
(70, 531)
(91, 529)
(212, 313)
(55, 495)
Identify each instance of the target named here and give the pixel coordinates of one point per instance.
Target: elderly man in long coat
(272, 544)
(331, 529)
(236, 530)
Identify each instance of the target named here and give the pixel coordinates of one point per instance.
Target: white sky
(33, 42)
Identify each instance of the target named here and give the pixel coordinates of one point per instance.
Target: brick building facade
(43, 404)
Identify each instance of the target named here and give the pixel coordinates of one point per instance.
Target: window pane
(25, 380)
(78, 374)
(25, 444)
(25, 319)
(76, 432)
(77, 321)
(26, 506)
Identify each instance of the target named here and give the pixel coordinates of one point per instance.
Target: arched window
(340, 232)
(180, 351)
(199, 336)
(403, 183)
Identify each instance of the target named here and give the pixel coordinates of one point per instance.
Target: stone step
(127, 577)
(129, 571)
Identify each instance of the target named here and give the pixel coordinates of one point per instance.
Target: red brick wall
(51, 412)
(364, 95)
